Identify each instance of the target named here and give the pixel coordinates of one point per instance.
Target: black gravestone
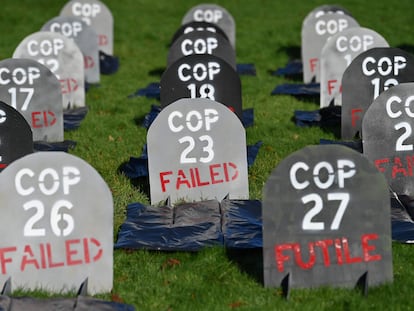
(369, 74)
(326, 220)
(202, 76)
(15, 135)
(202, 42)
(387, 136)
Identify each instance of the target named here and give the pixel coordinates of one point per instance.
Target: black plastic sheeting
(80, 303)
(307, 89)
(327, 116)
(137, 167)
(54, 146)
(292, 69)
(192, 226)
(235, 224)
(72, 118)
(108, 64)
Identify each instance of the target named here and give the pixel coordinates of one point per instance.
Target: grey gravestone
(202, 76)
(202, 42)
(56, 224)
(15, 135)
(197, 26)
(337, 55)
(197, 151)
(97, 15)
(326, 220)
(34, 91)
(213, 13)
(63, 57)
(317, 28)
(86, 39)
(369, 74)
(388, 139)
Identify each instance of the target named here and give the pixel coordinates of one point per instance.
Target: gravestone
(97, 15)
(86, 39)
(33, 90)
(196, 152)
(56, 225)
(202, 76)
(199, 43)
(213, 13)
(338, 53)
(326, 221)
(15, 135)
(387, 136)
(63, 57)
(320, 24)
(369, 74)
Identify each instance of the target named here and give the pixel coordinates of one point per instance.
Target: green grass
(267, 32)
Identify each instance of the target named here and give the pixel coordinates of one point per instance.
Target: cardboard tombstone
(202, 76)
(63, 57)
(199, 43)
(197, 26)
(213, 13)
(326, 221)
(15, 135)
(317, 28)
(97, 15)
(197, 151)
(56, 224)
(33, 90)
(86, 39)
(369, 74)
(387, 136)
(338, 53)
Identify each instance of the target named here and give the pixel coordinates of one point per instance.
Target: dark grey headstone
(197, 26)
(34, 91)
(326, 220)
(317, 28)
(213, 13)
(197, 151)
(369, 74)
(97, 15)
(338, 53)
(56, 224)
(86, 39)
(63, 57)
(15, 135)
(387, 136)
(202, 42)
(205, 76)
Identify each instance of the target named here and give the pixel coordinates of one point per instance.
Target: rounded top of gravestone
(197, 151)
(55, 203)
(338, 53)
(318, 204)
(63, 57)
(202, 42)
(369, 74)
(96, 14)
(202, 76)
(386, 136)
(16, 139)
(213, 13)
(35, 92)
(197, 26)
(85, 37)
